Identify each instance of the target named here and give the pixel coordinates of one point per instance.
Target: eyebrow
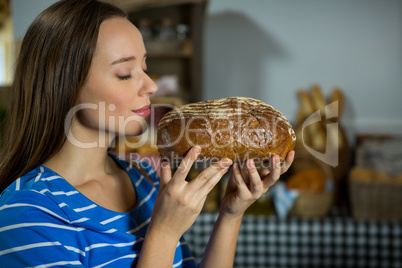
(125, 59)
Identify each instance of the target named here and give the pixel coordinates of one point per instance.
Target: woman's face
(115, 97)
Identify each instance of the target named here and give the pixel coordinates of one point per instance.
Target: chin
(132, 139)
(135, 129)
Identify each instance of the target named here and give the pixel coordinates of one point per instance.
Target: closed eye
(124, 77)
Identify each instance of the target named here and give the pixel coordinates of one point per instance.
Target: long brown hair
(53, 64)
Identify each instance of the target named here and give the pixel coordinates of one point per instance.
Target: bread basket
(375, 198)
(375, 182)
(316, 204)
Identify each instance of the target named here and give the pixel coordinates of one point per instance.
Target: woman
(80, 82)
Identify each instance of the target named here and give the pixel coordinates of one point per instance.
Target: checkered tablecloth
(327, 242)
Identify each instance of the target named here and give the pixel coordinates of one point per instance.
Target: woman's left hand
(247, 184)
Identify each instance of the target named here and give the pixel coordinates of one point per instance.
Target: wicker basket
(312, 205)
(378, 200)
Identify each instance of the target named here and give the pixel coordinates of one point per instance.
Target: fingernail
(226, 163)
(197, 149)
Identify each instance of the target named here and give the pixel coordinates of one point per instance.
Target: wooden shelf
(182, 58)
(169, 49)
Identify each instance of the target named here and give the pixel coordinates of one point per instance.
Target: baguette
(318, 99)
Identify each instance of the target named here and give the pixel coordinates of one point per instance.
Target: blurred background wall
(24, 12)
(269, 49)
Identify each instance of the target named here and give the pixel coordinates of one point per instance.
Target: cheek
(119, 103)
(118, 110)
(113, 112)
(93, 115)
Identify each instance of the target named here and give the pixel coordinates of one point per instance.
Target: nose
(148, 87)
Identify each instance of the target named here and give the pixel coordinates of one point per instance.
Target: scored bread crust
(238, 128)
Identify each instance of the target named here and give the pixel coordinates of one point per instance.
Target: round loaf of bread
(238, 128)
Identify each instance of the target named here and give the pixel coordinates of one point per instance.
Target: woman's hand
(180, 202)
(247, 184)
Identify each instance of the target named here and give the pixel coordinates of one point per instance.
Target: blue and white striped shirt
(46, 222)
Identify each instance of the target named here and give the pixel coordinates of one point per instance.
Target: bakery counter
(333, 241)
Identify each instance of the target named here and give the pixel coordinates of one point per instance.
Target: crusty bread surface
(238, 128)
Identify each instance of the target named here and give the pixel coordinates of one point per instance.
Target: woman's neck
(83, 156)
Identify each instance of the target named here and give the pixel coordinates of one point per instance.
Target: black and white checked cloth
(327, 242)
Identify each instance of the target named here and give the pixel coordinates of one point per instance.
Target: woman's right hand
(180, 202)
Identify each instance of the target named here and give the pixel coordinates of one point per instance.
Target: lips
(143, 111)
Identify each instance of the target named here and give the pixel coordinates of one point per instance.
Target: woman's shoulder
(34, 180)
(38, 188)
(29, 196)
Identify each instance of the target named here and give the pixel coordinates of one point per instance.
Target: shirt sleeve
(34, 232)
